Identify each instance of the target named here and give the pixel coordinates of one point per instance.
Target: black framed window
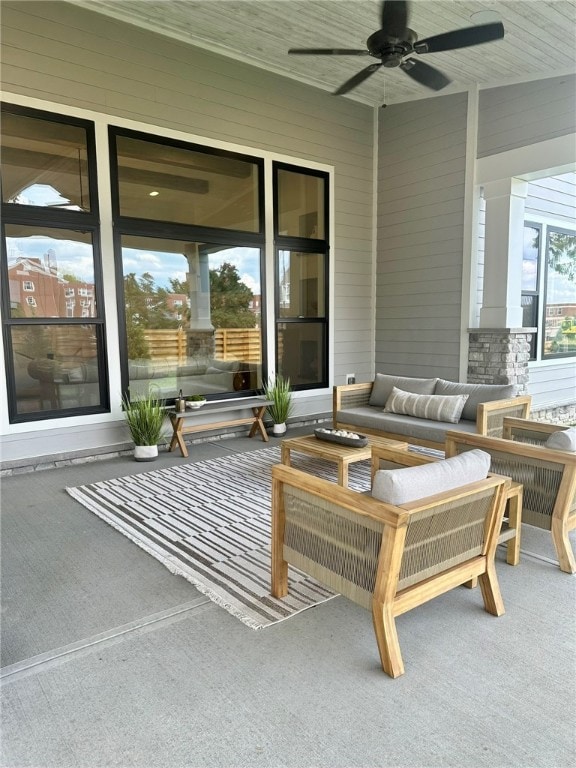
(559, 311)
(301, 226)
(53, 314)
(531, 280)
(189, 245)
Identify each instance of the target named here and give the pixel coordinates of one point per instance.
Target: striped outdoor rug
(209, 522)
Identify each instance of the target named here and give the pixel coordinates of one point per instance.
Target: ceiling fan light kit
(395, 42)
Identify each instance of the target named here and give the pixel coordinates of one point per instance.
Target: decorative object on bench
(195, 401)
(342, 436)
(421, 411)
(145, 419)
(547, 474)
(278, 391)
(387, 557)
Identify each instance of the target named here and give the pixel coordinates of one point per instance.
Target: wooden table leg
(343, 473)
(177, 438)
(258, 425)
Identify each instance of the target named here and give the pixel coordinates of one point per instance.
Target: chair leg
(563, 546)
(490, 588)
(515, 522)
(387, 639)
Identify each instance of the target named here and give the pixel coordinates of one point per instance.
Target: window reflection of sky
(559, 287)
(69, 257)
(164, 265)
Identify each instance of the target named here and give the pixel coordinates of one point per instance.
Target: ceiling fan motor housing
(391, 50)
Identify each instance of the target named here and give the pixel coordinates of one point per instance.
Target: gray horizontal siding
(553, 384)
(420, 222)
(520, 115)
(553, 197)
(67, 55)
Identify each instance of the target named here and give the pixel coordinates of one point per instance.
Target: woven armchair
(387, 558)
(548, 477)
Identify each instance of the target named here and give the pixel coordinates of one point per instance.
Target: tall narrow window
(301, 226)
(560, 294)
(530, 281)
(55, 355)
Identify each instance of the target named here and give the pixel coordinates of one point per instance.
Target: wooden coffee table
(343, 455)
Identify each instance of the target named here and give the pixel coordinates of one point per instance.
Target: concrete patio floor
(110, 660)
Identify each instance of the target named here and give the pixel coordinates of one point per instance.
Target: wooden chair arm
(404, 458)
(490, 416)
(350, 395)
(543, 428)
(512, 447)
(360, 503)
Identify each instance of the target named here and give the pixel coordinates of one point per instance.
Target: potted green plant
(145, 418)
(195, 401)
(278, 391)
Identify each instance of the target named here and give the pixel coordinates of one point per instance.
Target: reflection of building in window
(31, 301)
(53, 293)
(255, 304)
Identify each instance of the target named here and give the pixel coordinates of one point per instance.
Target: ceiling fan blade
(328, 52)
(394, 17)
(461, 38)
(425, 74)
(358, 78)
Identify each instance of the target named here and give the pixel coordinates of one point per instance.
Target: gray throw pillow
(400, 486)
(477, 393)
(563, 440)
(384, 383)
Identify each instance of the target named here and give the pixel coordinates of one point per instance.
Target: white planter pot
(279, 429)
(145, 452)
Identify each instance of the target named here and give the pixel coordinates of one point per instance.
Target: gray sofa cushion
(366, 417)
(400, 486)
(384, 383)
(477, 393)
(435, 407)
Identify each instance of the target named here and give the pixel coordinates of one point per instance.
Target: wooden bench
(178, 419)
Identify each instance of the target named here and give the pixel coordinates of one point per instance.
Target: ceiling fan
(394, 43)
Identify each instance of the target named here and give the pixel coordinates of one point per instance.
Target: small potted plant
(278, 391)
(195, 401)
(145, 418)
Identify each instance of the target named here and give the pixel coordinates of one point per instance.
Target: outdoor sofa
(421, 411)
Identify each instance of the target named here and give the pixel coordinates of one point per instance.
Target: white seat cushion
(399, 486)
(563, 440)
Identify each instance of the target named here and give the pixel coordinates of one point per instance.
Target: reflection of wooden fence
(230, 344)
(167, 344)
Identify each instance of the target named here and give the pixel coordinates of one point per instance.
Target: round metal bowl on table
(331, 436)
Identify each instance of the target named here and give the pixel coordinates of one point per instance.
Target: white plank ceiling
(539, 42)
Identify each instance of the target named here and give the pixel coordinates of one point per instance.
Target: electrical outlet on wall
(350, 378)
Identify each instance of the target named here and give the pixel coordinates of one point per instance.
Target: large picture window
(190, 245)
(191, 321)
(55, 353)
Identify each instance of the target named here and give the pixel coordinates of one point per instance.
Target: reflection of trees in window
(562, 254)
(229, 298)
(146, 307)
